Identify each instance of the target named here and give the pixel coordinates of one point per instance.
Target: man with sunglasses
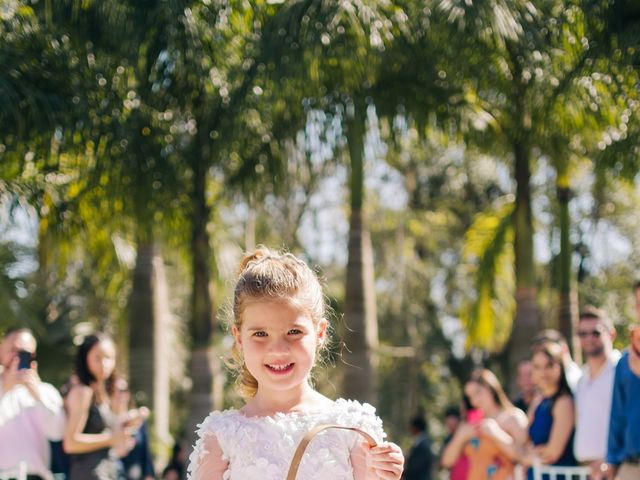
(594, 390)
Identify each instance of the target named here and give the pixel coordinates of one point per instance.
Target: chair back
(554, 472)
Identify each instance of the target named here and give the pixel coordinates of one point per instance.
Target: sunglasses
(587, 333)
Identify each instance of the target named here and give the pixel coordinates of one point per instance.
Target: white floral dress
(261, 448)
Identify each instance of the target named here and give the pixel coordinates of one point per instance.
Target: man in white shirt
(31, 411)
(594, 391)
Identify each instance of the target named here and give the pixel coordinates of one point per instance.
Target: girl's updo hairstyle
(266, 275)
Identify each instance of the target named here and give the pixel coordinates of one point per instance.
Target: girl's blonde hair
(266, 275)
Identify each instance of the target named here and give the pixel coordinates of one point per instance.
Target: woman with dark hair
(552, 414)
(92, 432)
(494, 435)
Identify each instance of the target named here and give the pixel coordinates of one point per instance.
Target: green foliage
(489, 254)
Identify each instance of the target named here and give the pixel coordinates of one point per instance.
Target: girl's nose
(280, 345)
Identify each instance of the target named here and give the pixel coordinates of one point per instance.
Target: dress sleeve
(50, 412)
(362, 416)
(208, 459)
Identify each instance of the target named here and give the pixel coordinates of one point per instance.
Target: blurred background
(461, 174)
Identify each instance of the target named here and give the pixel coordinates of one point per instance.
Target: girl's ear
(322, 331)
(235, 331)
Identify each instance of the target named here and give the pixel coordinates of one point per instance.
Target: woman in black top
(92, 434)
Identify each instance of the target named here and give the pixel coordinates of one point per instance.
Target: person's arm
(51, 412)
(74, 441)
(210, 465)
(454, 448)
(384, 462)
(563, 421)
(510, 438)
(617, 421)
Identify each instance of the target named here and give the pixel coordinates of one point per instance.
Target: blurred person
(636, 288)
(494, 434)
(623, 452)
(526, 388)
(137, 463)
(31, 412)
(94, 436)
(452, 420)
(594, 390)
(572, 370)
(175, 468)
(420, 458)
(551, 415)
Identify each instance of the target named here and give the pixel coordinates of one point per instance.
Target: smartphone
(24, 359)
(474, 416)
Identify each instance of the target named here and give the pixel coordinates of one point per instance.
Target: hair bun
(260, 252)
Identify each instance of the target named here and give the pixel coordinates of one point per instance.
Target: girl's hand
(466, 431)
(385, 462)
(122, 442)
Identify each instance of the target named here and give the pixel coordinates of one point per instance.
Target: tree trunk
(361, 327)
(142, 332)
(149, 351)
(568, 301)
(526, 321)
(201, 396)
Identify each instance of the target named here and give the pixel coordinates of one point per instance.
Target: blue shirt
(624, 425)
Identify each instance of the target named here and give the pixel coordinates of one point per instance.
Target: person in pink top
(31, 411)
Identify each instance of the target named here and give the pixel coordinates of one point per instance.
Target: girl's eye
(295, 331)
(260, 334)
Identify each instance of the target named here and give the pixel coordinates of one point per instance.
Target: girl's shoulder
(218, 421)
(80, 394)
(352, 413)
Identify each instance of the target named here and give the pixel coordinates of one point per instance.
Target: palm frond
(487, 315)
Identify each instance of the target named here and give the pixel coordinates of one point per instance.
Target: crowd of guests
(587, 416)
(565, 415)
(87, 430)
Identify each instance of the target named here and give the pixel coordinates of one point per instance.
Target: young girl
(279, 326)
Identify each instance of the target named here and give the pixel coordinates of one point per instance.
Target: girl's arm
(210, 465)
(384, 462)
(511, 437)
(78, 403)
(561, 430)
(453, 450)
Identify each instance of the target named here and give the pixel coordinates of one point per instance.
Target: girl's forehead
(273, 312)
(103, 347)
(541, 358)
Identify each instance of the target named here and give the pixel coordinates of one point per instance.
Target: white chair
(21, 474)
(552, 472)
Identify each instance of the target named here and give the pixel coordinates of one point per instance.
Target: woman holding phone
(495, 432)
(94, 436)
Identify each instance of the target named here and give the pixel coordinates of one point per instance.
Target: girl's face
(546, 372)
(101, 360)
(479, 396)
(278, 343)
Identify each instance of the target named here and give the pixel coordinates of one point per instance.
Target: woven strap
(304, 443)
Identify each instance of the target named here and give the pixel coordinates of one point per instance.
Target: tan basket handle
(304, 443)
